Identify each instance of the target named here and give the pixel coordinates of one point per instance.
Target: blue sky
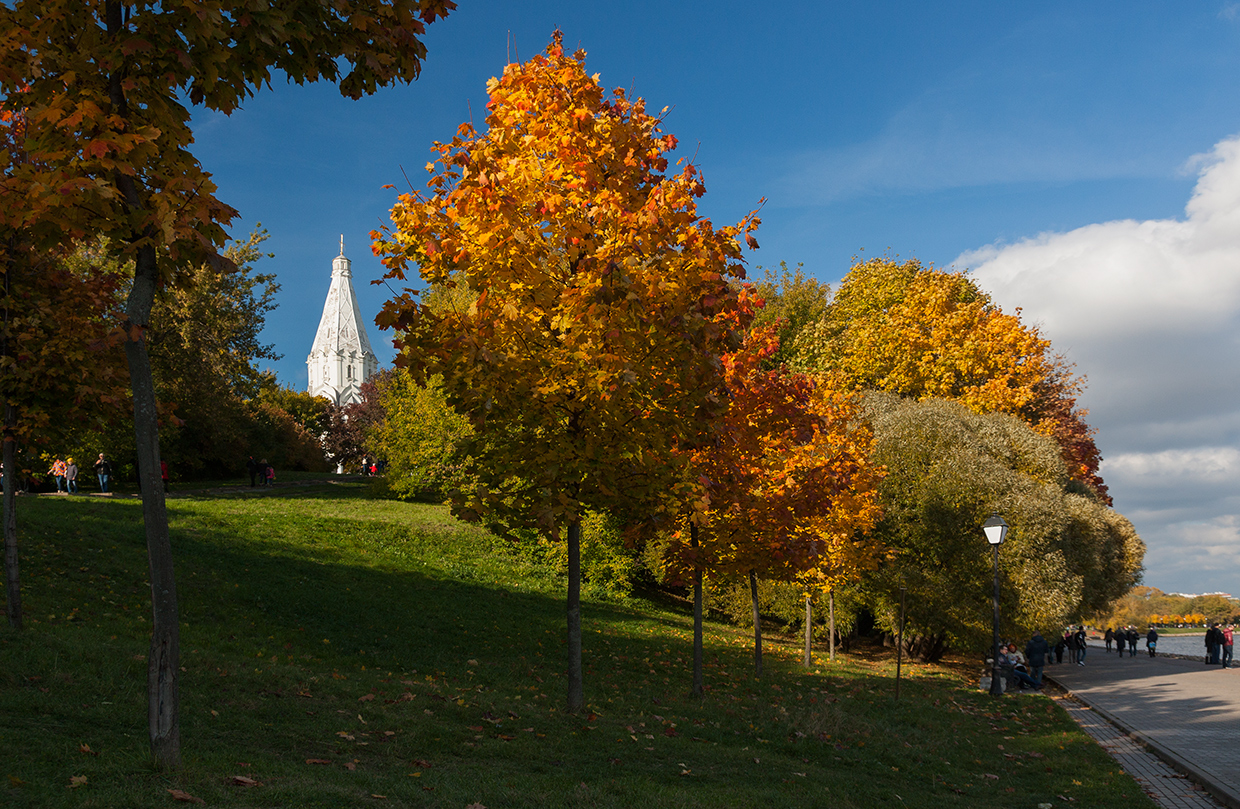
(1012, 138)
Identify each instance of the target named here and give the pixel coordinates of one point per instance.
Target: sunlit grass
(422, 660)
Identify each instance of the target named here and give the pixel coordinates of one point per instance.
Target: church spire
(340, 359)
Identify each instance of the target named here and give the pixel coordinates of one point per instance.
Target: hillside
(344, 651)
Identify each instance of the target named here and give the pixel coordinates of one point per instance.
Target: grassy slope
(424, 663)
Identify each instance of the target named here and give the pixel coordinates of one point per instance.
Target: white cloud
(1126, 278)
(1202, 465)
(1150, 312)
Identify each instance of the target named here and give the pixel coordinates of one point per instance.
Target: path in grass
(338, 648)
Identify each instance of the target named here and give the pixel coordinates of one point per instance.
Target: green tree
(948, 468)
(309, 411)
(102, 84)
(420, 438)
(592, 349)
(205, 347)
(793, 303)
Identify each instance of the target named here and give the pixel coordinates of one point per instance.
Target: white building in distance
(341, 359)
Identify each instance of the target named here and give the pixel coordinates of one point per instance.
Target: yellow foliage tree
(591, 351)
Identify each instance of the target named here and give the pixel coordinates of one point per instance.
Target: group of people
(261, 472)
(1219, 645)
(1128, 637)
(1024, 670)
(1072, 641)
(66, 474)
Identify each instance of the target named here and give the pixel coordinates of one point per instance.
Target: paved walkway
(1186, 712)
(1167, 787)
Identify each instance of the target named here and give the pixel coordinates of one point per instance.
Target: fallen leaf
(243, 781)
(184, 797)
(350, 766)
(317, 761)
(475, 806)
(76, 781)
(365, 697)
(85, 748)
(378, 797)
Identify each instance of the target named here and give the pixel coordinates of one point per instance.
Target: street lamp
(995, 530)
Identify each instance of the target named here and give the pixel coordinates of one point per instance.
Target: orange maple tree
(102, 85)
(787, 485)
(599, 303)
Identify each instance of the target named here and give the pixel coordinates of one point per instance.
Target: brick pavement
(1168, 788)
(1187, 713)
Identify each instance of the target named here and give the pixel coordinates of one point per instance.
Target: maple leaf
(76, 781)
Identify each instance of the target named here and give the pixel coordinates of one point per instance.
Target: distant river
(1172, 644)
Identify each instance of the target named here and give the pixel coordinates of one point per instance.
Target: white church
(341, 359)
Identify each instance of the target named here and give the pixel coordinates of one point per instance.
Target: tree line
(586, 343)
(585, 351)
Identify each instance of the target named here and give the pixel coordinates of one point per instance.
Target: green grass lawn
(342, 651)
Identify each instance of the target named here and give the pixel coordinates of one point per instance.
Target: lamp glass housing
(995, 529)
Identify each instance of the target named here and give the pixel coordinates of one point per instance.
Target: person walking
(1036, 651)
(1061, 646)
(251, 466)
(58, 471)
(1132, 636)
(1151, 641)
(1108, 637)
(103, 473)
(1227, 645)
(71, 473)
(1081, 645)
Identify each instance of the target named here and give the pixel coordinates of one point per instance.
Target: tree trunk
(697, 614)
(757, 625)
(831, 619)
(809, 632)
(12, 582)
(575, 697)
(163, 662)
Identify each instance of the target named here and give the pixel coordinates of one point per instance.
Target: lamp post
(995, 530)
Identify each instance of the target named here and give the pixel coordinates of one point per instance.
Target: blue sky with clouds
(1078, 156)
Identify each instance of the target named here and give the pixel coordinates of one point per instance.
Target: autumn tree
(590, 352)
(58, 363)
(792, 302)
(350, 427)
(788, 476)
(103, 85)
(923, 333)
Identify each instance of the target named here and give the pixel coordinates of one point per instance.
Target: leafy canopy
(925, 334)
(601, 299)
